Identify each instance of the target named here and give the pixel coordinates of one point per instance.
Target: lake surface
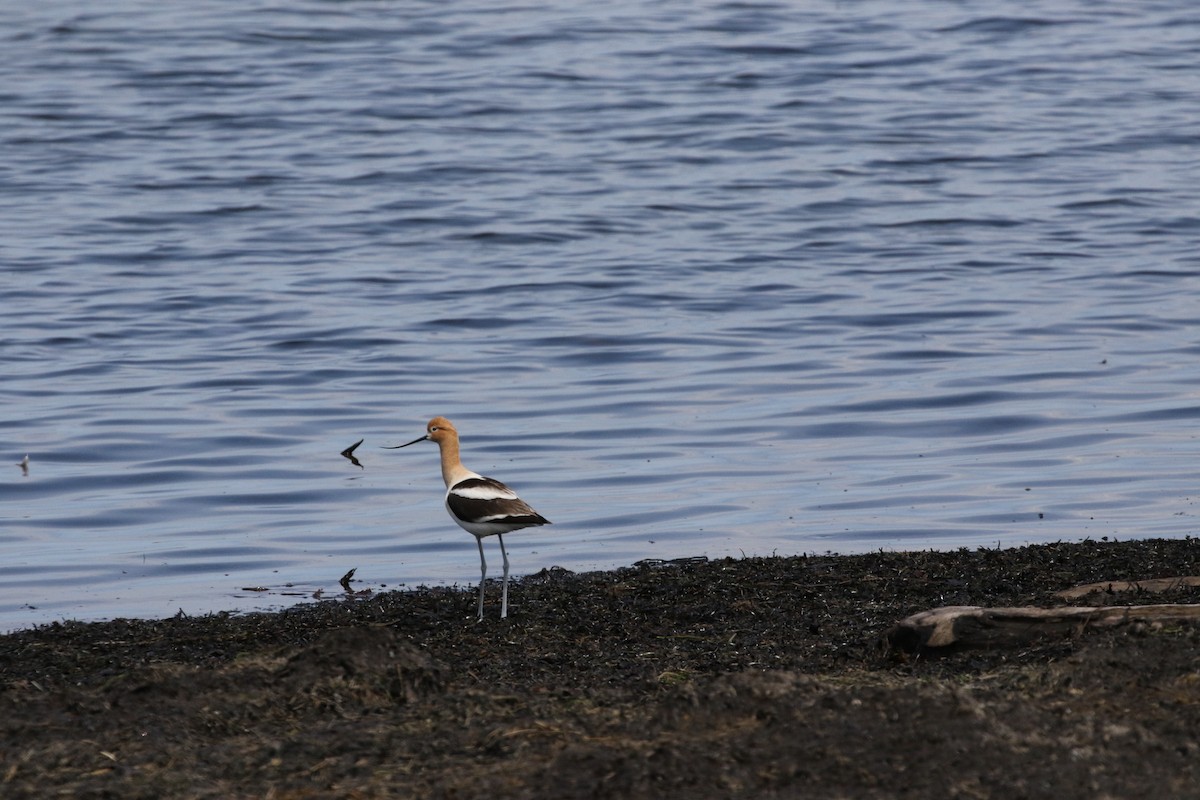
(704, 278)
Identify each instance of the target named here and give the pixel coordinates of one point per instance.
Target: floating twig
(348, 453)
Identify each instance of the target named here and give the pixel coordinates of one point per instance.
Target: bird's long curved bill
(397, 447)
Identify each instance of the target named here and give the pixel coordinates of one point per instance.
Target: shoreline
(760, 676)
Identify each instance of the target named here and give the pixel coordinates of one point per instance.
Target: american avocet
(481, 506)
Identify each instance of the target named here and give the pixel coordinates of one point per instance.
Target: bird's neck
(453, 470)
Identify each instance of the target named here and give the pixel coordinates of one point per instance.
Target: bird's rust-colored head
(439, 429)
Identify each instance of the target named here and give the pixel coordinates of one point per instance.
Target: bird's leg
(482, 577)
(504, 592)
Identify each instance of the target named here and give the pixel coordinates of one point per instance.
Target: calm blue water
(696, 278)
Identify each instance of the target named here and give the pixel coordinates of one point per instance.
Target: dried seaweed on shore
(755, 677)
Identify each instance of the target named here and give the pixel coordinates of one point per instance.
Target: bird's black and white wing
(485, 506)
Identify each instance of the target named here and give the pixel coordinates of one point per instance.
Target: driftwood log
(975, 626)
(1153, 585)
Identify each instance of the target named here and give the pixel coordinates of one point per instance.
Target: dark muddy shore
(755, 678)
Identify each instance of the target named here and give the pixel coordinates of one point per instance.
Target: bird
(481, 506)
(24, 465)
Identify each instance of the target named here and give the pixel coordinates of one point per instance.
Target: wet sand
(760, 677)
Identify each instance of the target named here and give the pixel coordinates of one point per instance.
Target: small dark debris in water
(345, 581)
(255, 589)
(349, 453)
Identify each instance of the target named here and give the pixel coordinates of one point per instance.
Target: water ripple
(722, 279)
